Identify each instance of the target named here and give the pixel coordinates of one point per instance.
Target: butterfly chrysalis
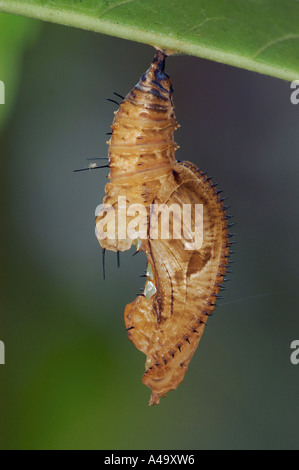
(167, 321)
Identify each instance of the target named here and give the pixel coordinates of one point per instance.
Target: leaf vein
(115, 5)
(273, 42)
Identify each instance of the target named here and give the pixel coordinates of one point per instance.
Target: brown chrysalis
(167, 321)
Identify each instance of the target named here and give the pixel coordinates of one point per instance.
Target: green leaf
(259, 35)
(15, 35)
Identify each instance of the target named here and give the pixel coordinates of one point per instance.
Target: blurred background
(72, 379)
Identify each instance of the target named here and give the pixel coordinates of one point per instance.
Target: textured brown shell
(168, 326)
